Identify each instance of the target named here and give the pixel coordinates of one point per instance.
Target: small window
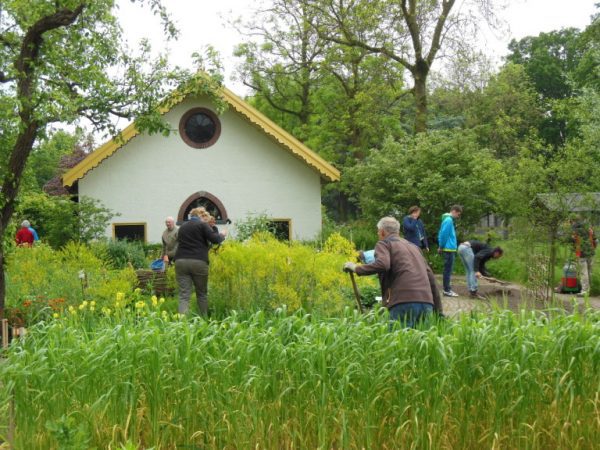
(130, 231)
(200, 128)
(281, 228)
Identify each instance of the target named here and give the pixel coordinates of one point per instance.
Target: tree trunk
(2, 279)
(10, 189)
(420, 95)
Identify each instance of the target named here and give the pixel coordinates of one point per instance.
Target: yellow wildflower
(56, 315)
(120, 297)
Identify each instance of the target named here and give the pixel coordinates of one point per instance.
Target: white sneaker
(450, 294)
(582, 294)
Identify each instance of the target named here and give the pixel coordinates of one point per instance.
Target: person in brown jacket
(408, 286)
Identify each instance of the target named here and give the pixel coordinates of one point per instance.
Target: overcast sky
(204, 22)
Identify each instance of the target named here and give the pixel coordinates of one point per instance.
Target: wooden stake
(4, 333)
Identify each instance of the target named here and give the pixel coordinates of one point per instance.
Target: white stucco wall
(249, 172)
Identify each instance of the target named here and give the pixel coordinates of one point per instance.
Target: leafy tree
(551, 61)
(45, 158)
(339, 100)
(586, 74)
(433, 170)
(54, 186)
(322, 93)
(414, 33)
(357, 103)
(457, 89)
(507, 113)
(282, 68)
(62, 60)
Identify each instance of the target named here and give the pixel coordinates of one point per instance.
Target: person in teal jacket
(447, 246)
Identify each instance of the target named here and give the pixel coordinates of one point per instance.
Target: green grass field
(299, 381)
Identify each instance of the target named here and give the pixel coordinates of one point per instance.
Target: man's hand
(349, 267)
(166, 259)
(478, 274)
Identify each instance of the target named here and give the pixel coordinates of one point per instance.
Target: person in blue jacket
(447, 246)
(35, 235)
(413, 228)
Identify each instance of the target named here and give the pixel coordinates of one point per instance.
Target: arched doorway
(202, 198)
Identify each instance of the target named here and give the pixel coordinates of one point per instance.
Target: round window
(200, 128)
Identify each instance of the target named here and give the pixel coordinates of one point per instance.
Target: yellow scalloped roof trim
(288, 141)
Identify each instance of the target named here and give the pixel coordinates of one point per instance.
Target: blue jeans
(448, 266)
(409, 314)
(468, 258)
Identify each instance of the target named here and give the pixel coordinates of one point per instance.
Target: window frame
(117, 224)
(187, 139)
(282, 220)
(207, 195)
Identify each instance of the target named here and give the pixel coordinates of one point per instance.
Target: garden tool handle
(356, 294)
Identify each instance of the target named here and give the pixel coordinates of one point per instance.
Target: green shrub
(152, 251)
(120, 254)
(252, 224)
(59, 220)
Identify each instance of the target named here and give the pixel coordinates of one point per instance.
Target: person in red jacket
(24, 237)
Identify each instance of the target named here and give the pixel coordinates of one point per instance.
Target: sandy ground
(507, 296)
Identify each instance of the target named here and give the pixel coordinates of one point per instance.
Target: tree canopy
(64, 60)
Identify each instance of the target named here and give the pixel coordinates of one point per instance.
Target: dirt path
(509, 296)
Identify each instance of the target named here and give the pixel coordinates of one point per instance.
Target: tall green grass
(297, 381)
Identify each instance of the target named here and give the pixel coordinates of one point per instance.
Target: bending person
(408, 285)
(474, 255)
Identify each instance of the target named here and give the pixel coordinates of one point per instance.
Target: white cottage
(236, 164)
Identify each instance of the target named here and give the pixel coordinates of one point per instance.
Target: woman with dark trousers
(191, 260)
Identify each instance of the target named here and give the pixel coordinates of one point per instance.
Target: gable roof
(289, 142)
(571, 202)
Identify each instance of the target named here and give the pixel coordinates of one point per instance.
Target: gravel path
(509, 296)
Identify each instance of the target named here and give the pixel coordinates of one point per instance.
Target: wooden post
(4, 333)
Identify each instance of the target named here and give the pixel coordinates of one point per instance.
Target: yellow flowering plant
(264, 273)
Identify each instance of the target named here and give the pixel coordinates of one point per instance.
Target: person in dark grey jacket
(474, 255)
(191, 260)
(414, 230)
(408, 285)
